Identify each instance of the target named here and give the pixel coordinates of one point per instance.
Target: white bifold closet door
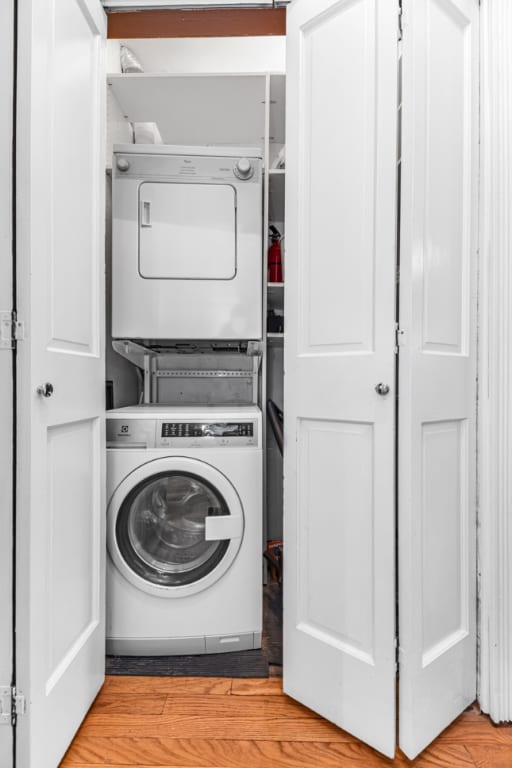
(340, 301)
(339, 526)
(6, 370)
(437, 381)
(60, 546)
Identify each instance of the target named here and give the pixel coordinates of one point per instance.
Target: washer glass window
(160, 529)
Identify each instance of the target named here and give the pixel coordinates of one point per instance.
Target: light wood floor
(227, 723)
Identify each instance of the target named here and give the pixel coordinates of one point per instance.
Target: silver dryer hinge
(12, 704)
(11, 329)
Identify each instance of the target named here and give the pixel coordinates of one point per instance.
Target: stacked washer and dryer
(184, 515)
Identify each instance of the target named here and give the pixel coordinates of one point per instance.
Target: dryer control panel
(183, 168)
(149, 433)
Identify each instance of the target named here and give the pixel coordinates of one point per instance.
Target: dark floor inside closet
(264, 662)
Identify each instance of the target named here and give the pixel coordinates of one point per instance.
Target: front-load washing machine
(186, 243)
(184, 528)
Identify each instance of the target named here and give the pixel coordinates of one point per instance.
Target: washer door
(175, 525)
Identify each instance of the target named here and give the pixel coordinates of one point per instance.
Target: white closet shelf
(221, 109)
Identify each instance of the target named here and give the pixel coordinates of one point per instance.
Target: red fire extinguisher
(275, 266)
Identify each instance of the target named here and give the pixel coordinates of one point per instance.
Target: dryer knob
(243, 169)
(123, 164)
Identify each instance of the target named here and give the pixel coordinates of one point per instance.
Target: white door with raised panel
(339, 526)
(60, 545)
(437, 394)
(6, 371)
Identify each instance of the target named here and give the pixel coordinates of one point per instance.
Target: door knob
(45, 390)
(382, 389)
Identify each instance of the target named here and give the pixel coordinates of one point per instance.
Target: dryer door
(175, 525)
(187, 231)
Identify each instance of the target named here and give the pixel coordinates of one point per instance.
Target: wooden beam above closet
(235, 22)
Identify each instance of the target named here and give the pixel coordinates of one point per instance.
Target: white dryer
(184, 527)
(187, 242)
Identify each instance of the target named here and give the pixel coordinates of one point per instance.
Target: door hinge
(399, 337)
(11, 330)
(398, 656)
(12, 704)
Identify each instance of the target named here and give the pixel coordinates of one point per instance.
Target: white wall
(495, 379)
(204, 54)
(6, 56)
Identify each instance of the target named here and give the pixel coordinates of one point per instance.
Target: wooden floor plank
(182, 753)
(178, 686)
(127, 703)
(262, 686)
(491, 756)
(154, 753)
(479, 732)
(253, 706)
(236, 727)
(438, 756)
(258, 723)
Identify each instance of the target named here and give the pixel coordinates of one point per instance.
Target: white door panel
(60, 219)
(437, 447)
(6, 370)
(339, 344)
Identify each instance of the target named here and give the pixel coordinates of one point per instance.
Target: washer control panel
(190, 434)
(153, 433)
